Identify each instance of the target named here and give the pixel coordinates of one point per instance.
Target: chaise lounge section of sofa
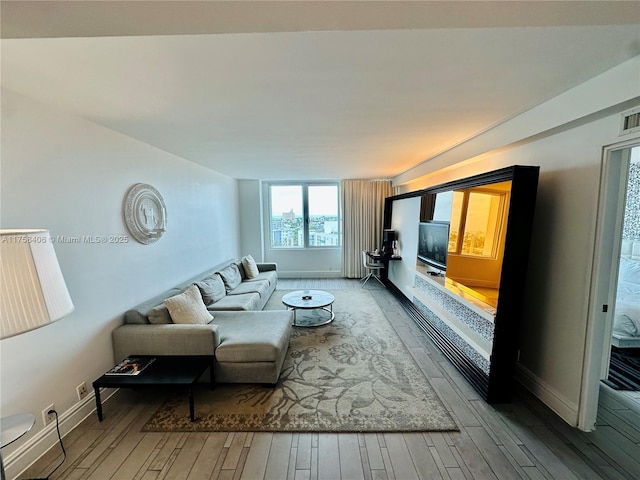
(248, 343)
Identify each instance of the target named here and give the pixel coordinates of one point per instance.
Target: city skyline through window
(304, 215)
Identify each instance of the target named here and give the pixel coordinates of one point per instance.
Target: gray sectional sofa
(249, 344)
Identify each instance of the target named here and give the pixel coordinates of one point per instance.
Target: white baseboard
(561, 405)
(40, 443)
(305, 274)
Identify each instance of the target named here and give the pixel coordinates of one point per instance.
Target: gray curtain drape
(362, 217)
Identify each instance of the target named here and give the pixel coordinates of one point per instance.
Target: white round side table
(11, 429)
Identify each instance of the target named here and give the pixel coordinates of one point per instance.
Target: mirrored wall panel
(462, 234)
(464, 282)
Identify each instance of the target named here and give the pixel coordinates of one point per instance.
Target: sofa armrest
(166, 339)
(267, 266)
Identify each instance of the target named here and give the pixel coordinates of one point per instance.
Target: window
(304, 215)
(475, 223)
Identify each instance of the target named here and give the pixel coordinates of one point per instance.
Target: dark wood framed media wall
(465, 251)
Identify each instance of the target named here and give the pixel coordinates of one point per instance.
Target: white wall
(251, 242)
(309, 263)
(406, 215)
(70, 176)
(554, 326)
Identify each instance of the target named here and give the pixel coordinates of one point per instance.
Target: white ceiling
(308, 90)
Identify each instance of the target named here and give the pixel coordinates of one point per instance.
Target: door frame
(606, 256)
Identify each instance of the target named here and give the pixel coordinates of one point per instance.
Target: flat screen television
(433, 243)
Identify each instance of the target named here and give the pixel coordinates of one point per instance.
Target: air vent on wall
(630, 121)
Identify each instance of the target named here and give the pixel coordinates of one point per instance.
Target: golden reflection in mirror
(476, 240)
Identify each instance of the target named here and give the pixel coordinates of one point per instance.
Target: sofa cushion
(136, 316)
(271, 277)
(231, 277)
(243, 301)
(253, 337)
(159, 315)
(212, 289)
(260, 287)
(250, 267)
(188, 307)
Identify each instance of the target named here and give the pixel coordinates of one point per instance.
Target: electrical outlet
(47, 417)
(82, 390)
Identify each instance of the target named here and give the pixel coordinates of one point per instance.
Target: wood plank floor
(633, 397)
(519, 440)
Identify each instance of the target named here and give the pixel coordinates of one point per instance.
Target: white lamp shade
(32, 289)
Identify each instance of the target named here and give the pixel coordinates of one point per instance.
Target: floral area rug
(352, 375)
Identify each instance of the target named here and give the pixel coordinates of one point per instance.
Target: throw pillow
(159, 315)
(250, 267)
(243, 274)
(231, 277)
(188, 307)
(212, 289)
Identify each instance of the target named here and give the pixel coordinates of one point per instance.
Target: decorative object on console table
(33, 294)
(395, 252)
(388, 237)
(145, 214)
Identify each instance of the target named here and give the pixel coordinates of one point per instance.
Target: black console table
(384, 258)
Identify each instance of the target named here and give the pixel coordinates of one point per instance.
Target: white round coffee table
(310, 300)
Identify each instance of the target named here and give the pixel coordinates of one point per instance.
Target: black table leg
(98, 403)
(191, 407)
(212, 370)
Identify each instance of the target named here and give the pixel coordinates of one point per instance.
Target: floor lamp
(32, 294)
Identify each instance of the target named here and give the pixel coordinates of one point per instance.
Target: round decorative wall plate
(145, 214)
